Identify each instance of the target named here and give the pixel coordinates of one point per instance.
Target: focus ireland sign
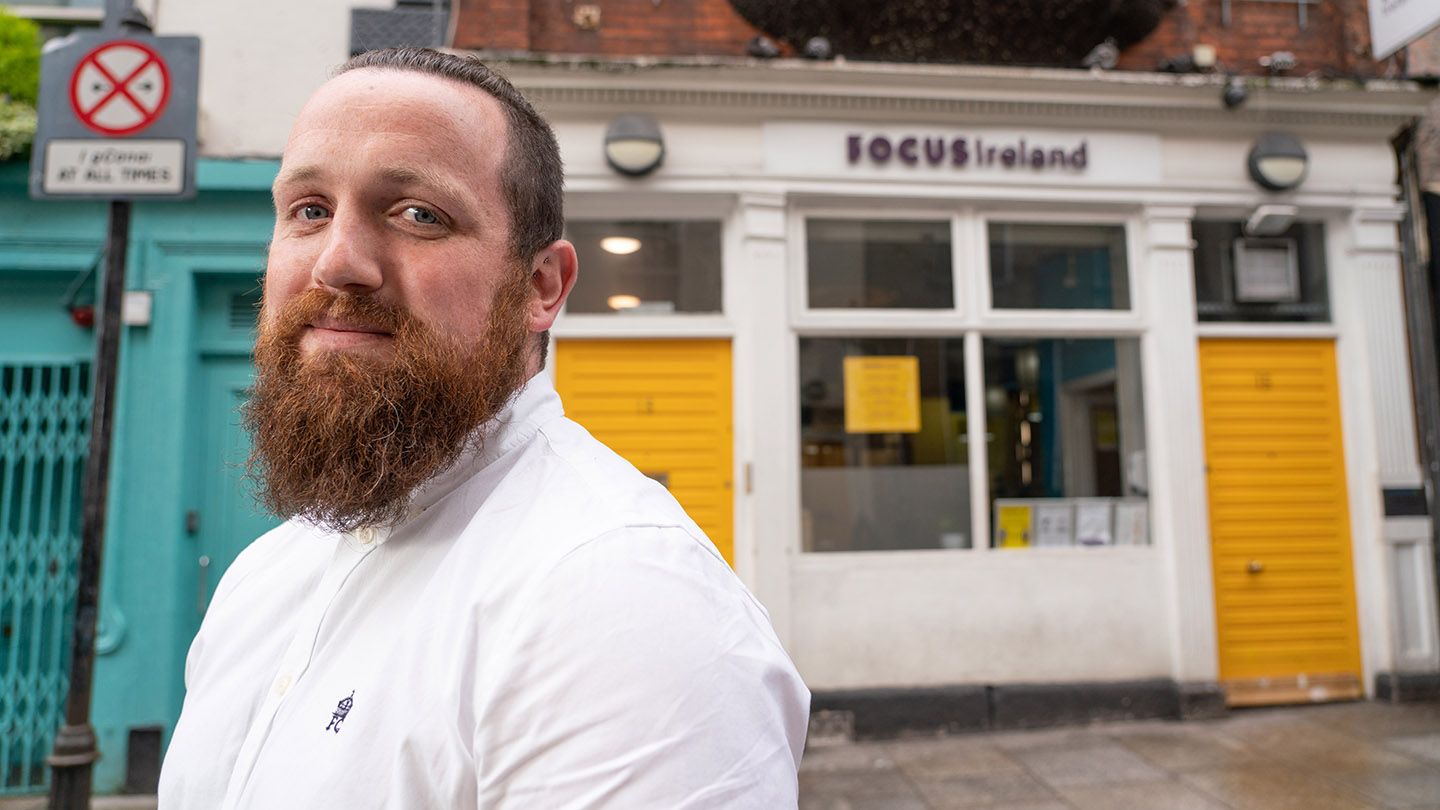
(117, 118)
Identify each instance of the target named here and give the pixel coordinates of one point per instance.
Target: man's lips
(331, 325)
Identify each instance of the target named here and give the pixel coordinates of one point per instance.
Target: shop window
(1058, 266)
(1065, 442)
(1279, 278)
(883, 444)
(853, 263)
(646, 267)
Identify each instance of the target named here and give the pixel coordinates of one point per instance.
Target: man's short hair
(532, 177)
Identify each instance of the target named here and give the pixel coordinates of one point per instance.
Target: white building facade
(1012, 394)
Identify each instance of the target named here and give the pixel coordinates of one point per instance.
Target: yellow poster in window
(882, 394)
(1012, 526)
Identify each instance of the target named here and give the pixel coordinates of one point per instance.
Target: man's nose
(351, 260)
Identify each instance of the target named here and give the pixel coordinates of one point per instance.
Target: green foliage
(19, 58)
(17, 127)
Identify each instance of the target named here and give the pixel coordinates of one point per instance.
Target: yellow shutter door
(665, 406)
(1279, 521)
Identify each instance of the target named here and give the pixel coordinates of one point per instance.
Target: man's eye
(312, 212)
(421, 216)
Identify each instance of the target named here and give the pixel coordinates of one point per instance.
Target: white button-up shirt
(548, 629)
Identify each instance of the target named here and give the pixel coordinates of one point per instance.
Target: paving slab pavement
(1351, 756)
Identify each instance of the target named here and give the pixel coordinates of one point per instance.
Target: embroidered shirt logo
(342, 710)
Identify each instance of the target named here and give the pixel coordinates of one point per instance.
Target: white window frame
(971, 318)
(718, 208)
(1311, 330)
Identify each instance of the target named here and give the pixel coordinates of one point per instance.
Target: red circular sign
(120, 87)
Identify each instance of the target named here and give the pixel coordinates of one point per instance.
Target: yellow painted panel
(1279, 517)
(665, 406)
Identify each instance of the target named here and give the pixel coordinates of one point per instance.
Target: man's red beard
(342, 439)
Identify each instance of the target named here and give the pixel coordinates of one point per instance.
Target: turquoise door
(227, 517)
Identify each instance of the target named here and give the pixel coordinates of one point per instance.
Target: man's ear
(552, 276)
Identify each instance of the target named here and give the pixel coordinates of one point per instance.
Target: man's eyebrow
(421, 176)
(299, 174)
(394, 175)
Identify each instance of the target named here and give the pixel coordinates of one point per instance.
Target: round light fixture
(1278, 161)
(634, 145)
(623, 302)
(620, 245)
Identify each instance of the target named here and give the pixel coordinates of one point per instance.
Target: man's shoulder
(285, 547)
(595, 490)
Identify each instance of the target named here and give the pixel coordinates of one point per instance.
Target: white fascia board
(566, 81)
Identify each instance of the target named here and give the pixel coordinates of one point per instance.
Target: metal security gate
(44, 429)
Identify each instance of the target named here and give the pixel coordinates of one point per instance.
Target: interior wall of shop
(148, 596)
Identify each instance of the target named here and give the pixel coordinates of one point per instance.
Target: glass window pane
(1042, 266)
(1065, 442)
(1280, 278)
(879, 264)
(645, 267)
(883, 454)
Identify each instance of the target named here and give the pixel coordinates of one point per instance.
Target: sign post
(117, 117)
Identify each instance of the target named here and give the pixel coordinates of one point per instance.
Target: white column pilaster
(1178, 495)
(767, 449)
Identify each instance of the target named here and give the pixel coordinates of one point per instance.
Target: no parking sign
(117, 118)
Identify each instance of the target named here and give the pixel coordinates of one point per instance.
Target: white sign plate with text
(114, 166)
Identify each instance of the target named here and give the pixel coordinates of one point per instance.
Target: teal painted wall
(178, 252)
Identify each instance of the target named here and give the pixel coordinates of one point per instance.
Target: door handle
(1254, 567)
(201, 584)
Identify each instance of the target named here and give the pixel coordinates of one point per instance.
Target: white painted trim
(1174, 433)
(927, 92)
(976, 416)
(742, 380)
(569, 327)
(1362, 465)
(1315, 197)
(1272, 331)
(644, 203)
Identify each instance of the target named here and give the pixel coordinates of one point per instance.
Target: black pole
(74, 755)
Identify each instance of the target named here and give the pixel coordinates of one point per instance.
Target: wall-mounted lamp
(1234, 93)
(622, 301)
(634, 145)
(1278, 161)
(620, 245)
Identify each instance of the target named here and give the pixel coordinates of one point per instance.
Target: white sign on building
(1395, 23)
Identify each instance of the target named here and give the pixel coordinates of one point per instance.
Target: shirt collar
(532, 406)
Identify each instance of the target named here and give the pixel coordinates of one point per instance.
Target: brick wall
(626, 27)
(1334, 42)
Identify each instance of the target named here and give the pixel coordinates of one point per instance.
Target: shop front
(1002, 380)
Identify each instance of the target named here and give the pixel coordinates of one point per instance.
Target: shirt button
(283, 685)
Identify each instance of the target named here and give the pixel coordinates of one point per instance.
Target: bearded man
(474, 603)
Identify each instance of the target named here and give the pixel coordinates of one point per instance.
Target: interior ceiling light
(623, 301)
(634, 145)
(620, 245)
(1278, 161)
